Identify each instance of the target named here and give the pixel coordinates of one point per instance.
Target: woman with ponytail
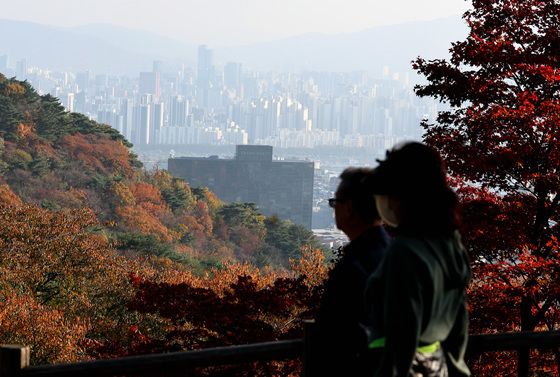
(416, 297)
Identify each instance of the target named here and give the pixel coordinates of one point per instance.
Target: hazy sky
(223, 22)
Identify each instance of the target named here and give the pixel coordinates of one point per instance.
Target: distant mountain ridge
(371, 49)
(135, 40)
(112, 49)
(100, 48)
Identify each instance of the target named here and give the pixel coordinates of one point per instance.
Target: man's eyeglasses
(332, 202)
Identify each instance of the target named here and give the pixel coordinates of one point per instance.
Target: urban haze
(330, 92)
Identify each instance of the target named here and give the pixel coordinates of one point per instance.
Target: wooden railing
(14, 360)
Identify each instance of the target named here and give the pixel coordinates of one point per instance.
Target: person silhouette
(338, 336)
(416, 297)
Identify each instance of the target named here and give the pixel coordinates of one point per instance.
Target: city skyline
(232, 22)
(219, 98)
(226, 105)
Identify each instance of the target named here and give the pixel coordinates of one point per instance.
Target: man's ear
(349, 206)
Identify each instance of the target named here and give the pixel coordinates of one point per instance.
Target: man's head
(354, 204)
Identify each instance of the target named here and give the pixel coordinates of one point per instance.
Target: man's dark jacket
(338, 336)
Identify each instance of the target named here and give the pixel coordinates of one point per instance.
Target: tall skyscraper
(82, 79)
(232, 76)
(21, 69)
(205, 74)
(157, 66)
(149, 84)
(205, 67)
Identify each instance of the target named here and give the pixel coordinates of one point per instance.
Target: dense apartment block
(278, 187)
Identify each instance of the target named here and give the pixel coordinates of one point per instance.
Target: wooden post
(13, 359)
(308, 325)
(523, 362)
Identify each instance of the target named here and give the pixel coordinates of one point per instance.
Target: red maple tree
(500, 138)
(237, 305)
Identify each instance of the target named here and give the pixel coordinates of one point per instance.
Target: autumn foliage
(501, 142)
(70, 296)
(99, 258)
(59, 280)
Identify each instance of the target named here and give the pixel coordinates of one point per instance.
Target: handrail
(513, 341)
(14, 360)
(173, 362)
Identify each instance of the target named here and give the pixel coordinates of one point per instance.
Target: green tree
(288, 237)
(245, 214)
(40, 166)
(51, 119)
(177, 195)
(10, 118)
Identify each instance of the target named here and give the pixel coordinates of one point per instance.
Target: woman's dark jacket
(338, 336)
(417, 297)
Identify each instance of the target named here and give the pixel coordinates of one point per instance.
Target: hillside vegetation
(99, 258)
(64, 161)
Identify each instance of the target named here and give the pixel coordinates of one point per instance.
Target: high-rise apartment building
(178, 111)
(282, 188)
(80, 103)
(157, 121)
(127, 118)
(21, 69)
(141, 128)
(108, 116)
(149, 83)
(3, 63)
(101, 81)
(69, 102)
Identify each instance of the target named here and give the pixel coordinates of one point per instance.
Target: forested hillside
(99, 258)
(59, 160)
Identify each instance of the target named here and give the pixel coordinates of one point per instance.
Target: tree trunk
(527, 324)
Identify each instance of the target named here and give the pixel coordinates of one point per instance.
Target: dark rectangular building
(282, 188)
